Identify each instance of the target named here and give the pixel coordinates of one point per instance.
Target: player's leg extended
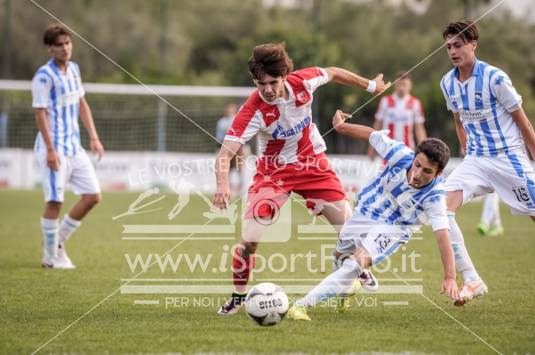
(84, 181)
(338, 283)
(49, 231)
(473, 285)
(334, 213)
(491, 224)
(71, 222)
(243, 261)
(53, 182)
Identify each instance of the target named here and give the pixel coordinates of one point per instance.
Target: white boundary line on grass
(210, 135)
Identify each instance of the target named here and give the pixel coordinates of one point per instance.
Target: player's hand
(221, 197)
(381, 86)
(339, 118)
(450, 289)
(96, 148)
(52, 160)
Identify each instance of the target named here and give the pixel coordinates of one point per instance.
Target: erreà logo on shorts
(280, 132)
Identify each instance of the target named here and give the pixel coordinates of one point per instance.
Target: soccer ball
(266, 304)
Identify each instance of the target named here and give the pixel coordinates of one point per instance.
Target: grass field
(38, 304)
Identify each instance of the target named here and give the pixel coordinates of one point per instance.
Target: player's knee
(533, 218)
(52, 208)
(454, 200)
(249, 247)
(92, 199)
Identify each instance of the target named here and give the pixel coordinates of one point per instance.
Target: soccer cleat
(492, 231)
(233, 304)
(471, 290)
(47, 263)
(62, 260)
(298, 313)
(343, 303)
(482, 228)
(368, 281)
(495, 231)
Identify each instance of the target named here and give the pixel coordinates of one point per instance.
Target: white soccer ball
(266, 304)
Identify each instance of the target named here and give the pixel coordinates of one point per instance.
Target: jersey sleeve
(392, 151)
(313, 77)
(41, 86)
(449, 105)
(418, 111)
(381, 109)
(435, 210)
(81, 90)
(246, 124)
(506, 93)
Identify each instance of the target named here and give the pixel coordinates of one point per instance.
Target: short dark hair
(270, 59)
(403, 74)
(465, 29)
(436, 151)
(52, 33)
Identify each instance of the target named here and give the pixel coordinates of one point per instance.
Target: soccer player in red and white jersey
(292, 157)
(401, 114)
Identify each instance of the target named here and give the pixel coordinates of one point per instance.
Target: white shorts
(378, 240)
(77, 170)
(511, 176)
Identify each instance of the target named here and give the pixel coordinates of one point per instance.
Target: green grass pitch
(37, 304)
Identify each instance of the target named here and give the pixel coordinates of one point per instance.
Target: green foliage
(207, 42)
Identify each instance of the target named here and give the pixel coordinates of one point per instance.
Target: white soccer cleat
(471, 290)
(62, 260)
(368, 281)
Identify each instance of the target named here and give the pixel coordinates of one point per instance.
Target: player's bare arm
(461, 134)
(377, 124)
(526, 129)
(52, 157)
(222, 166)
(352, 130)
(449, 285)
(343, 76)
(87, 119)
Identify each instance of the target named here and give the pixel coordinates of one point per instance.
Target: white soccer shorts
(511, 176)
(76, 170)
(380, 241)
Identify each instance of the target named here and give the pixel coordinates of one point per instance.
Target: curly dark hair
(270, 59)
(436, 151)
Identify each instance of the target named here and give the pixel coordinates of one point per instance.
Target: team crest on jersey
(301, 96)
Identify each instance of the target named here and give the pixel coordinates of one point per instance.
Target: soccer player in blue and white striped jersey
(492, 125)
(58, 100)
(407, 193)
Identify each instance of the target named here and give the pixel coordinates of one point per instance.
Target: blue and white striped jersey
(60, 94)
(389, 199)
(484, 102)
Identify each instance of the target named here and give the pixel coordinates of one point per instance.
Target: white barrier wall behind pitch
(138, 171)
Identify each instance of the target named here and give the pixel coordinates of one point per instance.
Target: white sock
(462, 259)
(337, 283)
(490, 215)
(49, 230)
(67, 228)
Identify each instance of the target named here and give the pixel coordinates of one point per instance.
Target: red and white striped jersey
(284, 127)
(399, 116)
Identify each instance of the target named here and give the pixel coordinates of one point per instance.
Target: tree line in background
(208, 42)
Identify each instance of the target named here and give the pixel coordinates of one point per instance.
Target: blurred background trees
(208, 42)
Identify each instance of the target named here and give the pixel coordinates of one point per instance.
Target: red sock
(241, 268)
